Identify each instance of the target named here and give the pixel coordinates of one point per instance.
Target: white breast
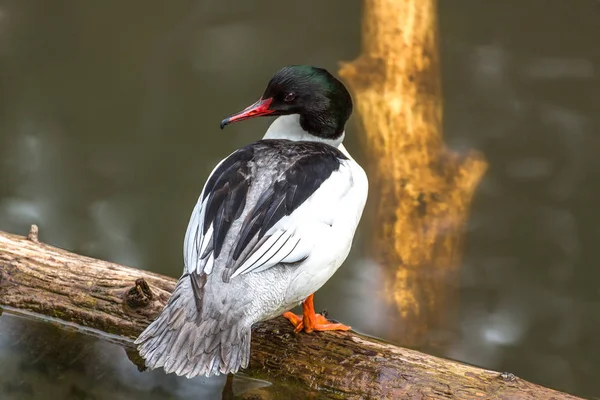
(329, 217)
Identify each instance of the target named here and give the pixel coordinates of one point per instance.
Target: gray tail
(181, 341)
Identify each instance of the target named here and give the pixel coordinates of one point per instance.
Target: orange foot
(309, 321)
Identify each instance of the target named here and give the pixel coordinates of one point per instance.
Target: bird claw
(313, 322)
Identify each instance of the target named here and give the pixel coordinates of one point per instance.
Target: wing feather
(282, 175)
(271, 245)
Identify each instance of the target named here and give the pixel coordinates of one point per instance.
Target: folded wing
(248, 208)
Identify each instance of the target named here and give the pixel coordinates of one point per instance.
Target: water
(109, 116)
(45, 361)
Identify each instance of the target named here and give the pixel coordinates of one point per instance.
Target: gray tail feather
(180, 341)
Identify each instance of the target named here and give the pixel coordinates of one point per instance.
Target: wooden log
(420, 191)
(36, 277)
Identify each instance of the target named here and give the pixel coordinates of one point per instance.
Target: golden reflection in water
(420, 192)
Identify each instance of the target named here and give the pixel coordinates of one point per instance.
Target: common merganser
(274, 221)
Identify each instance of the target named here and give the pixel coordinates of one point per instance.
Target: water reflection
(41, 361)
(38, 355)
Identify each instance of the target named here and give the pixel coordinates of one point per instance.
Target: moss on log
(40, 278)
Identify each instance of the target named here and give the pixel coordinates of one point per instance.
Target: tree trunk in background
(116, 299)
(420, 191)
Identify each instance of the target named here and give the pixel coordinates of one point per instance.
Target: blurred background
(109, 115)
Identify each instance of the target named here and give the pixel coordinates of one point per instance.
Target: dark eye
(289, 97)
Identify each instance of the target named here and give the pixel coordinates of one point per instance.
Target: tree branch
(116, 299)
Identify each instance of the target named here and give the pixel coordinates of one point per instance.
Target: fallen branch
(116, 299)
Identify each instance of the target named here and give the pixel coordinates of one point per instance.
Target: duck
(274, 221)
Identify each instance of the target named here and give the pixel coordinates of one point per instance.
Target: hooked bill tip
(224, 122)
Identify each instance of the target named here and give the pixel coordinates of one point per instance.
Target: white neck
(288, 127)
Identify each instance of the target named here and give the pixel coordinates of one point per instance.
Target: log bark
(420, 191)
(36, 277)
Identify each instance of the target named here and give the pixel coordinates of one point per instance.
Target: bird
(274, 221)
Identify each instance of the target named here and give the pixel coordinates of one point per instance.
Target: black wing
(281, 175)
